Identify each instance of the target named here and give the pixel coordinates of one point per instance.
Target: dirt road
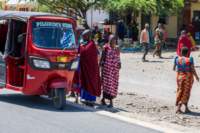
(147, 91)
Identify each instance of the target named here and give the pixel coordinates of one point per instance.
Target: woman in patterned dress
(110, 65)
(185, 78)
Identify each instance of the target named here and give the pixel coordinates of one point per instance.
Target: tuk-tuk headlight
(74, 65)
(43, 64)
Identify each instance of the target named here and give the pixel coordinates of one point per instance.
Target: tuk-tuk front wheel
(59, 98)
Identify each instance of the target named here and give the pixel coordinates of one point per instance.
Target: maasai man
(89, 69)
(184, 41)
(185, 78)
(110, 63)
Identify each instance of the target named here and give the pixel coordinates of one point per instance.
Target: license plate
(62, 59)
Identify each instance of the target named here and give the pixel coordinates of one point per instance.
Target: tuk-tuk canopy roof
(22, 15)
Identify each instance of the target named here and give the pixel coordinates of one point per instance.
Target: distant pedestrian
(121, 30)
(184, 41)
(135, 32)
(145, 41)
(185, 78)
(157, 41)
(162, 35)
(106, 35)
(193, 42)
(110, 63)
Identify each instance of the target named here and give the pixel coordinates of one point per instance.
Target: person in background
(157, 41)
(94, 31)
(184, 41)
(121, 30)
(165, 36)
(162, 38)
(192, 41)
(106, 35)
(110, 65)
(185, 78)
(145, 41)
(89, 70)
(135, 32)
(191, 30)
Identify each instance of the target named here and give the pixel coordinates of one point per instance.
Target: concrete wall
(95, 16)
(194, 7)
(171, 26)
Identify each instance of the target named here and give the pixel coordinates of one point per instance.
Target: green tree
(168, 7)
(159, 7)
(78, 8)
(43, 8)
(1, 5)
(71, 8)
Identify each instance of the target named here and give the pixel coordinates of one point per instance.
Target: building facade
(188, 19)
(19, 6)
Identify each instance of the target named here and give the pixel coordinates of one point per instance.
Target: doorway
(14, 53)
(3, 36)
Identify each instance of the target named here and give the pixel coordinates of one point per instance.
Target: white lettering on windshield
(53, 24)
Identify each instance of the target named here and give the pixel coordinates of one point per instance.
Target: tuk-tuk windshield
(56, 35)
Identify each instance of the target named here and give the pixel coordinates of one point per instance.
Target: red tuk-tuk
(38, 54)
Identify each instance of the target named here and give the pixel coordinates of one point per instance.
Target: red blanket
(90, 76)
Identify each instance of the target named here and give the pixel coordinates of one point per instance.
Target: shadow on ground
(197, 114)
(44, 103)
(153, 61)
(36, 102)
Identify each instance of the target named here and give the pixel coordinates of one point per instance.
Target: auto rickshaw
(38, 54)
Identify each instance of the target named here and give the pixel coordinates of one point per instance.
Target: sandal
(103, 103)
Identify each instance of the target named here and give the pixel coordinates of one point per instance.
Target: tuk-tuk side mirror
(21, 38)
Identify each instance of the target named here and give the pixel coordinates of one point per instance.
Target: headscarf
(85, 32)
(111, 37)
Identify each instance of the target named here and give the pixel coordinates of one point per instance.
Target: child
(185, 78)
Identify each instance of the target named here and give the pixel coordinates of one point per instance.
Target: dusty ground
(147, 91)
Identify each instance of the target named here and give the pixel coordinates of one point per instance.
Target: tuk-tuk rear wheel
(59, 98)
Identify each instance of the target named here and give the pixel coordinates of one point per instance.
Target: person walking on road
(162, 39)
(145, 40)
(157, 41)
(110, 64)
(184, 41)
(185, 78)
